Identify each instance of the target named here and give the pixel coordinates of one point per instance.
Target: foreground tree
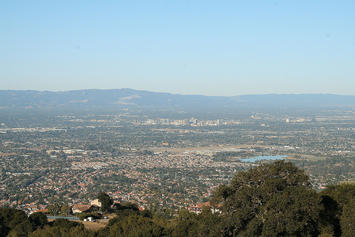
(14, 223)
(54, 208)
(347, 219)
(63, 228)
(293, 212)
(202, 225)
(133, 225)
(343, 215)
(65, 210)
(270, 200)
(106, 201)
(38, 220)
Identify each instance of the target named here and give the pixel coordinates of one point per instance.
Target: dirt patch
(93, 225)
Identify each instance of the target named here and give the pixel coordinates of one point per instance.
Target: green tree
(186, 224)
(347, 220)
(21, 230)
(329, 223)
(133, 226)
(256, 195)
(15, 222)
(340, 198)
(63, 228)
(106, 201)
(191, 224)
(341, 193)
(293, 212)
(65, 210)
(38, 219)
(54, 208)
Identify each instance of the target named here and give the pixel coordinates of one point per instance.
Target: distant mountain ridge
(129, 98)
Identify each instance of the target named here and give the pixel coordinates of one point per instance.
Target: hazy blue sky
(189, 47)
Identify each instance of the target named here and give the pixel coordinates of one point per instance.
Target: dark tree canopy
(133, 225)
(38, 219)
(257, 201)
(340, 208)
(106, 201)
(15, 221)
(293, 212)
(63, 228)
(347, 219)
(342, 193)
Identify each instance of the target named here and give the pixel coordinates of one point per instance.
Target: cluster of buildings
(174, 179)
(86, 156)
(180, 122)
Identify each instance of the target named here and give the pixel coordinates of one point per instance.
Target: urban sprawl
(161, 162)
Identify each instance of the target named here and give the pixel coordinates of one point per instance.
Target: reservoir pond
(262, 158)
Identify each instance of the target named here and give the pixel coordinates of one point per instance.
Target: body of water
(260, 158)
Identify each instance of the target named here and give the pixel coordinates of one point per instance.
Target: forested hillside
(137, 99)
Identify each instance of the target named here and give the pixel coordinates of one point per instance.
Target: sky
(179, 46)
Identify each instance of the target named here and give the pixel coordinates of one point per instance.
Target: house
(196, 208)
(96, 203)
(199, 206)
(42, 210)
(80, 208)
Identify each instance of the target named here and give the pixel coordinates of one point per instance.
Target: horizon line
(164, 92)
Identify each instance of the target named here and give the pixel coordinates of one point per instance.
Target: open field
(93, 225)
